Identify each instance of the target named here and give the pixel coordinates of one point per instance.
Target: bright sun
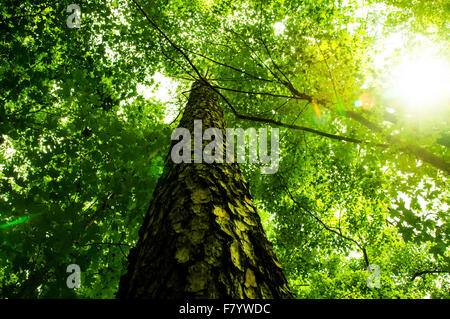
(423, 84)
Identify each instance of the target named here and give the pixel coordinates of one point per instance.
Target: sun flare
(423, 83)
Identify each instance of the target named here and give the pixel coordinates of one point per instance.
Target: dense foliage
(363, 179)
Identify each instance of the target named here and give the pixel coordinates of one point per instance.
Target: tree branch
(421, 273)
(339, 233)
(229, 66)
(307, 129)
(99, 210)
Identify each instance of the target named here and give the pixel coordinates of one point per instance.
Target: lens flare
(19, 220)
(15, 222)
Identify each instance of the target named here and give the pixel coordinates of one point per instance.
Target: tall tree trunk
(202, 236)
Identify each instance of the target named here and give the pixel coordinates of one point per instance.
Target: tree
(207, 241)
(363, 172)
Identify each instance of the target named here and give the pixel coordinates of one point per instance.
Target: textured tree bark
(202, 236)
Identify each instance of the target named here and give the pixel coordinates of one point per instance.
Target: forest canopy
(359, 90)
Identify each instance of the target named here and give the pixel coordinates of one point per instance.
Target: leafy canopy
(363, 175)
